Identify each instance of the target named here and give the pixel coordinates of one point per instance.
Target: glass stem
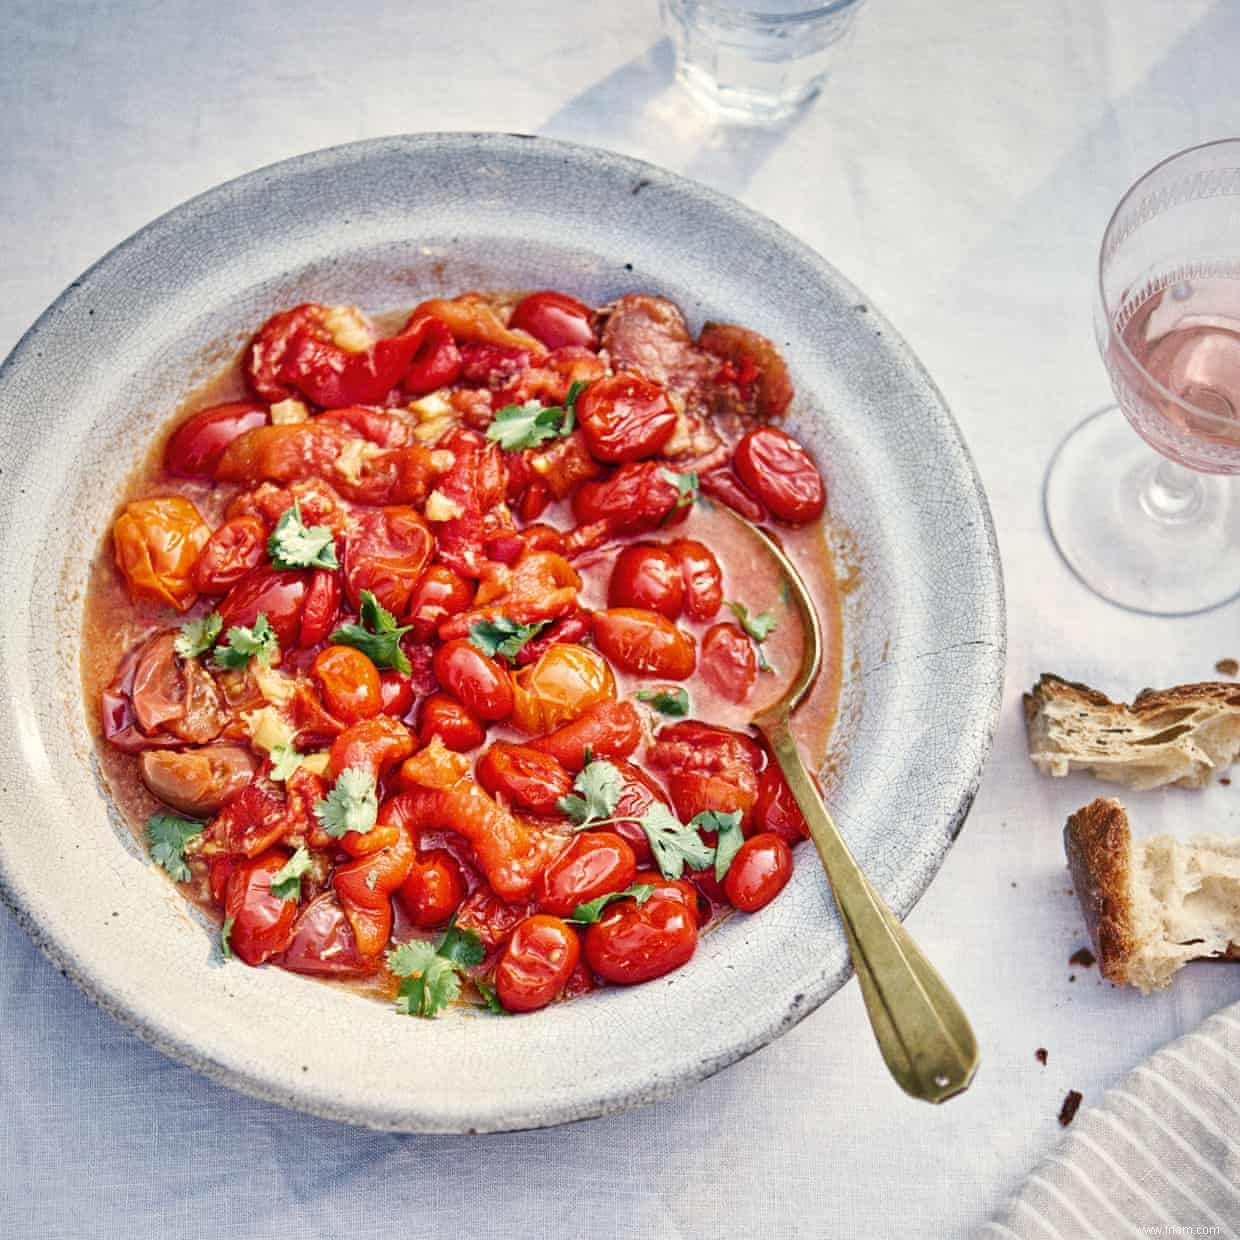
(1171, 493)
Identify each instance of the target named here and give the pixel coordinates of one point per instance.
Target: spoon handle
(924, 1036)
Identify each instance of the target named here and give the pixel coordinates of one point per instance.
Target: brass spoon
(924, 1036)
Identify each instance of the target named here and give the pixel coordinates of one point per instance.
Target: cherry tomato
(637, 942)
(565, 681)
(262, 922)
(728, 662)
(644, 642)
(250, 823)
(638, 792)
(195, 447)
(638, 496)
(702, 577)
(286, 452)
(156, 542)
(471, 318)
(567, 630)
(476, 680)
(322, 606)
(529, 779)
(764, 383)
(197, 781)
(594, 864)
(443, 716)
(396, 691)
(436, 360)
(759, 871)
(708, 768)
(493, 920)
(365, 887)
(625, 418)
(607, 730)
(349, 682)
(725, 486)
(781, 474)
(649, 577)
(556, 319)
(438, 594)
(776, 809)
(434, 888)
(239, 545)
(681, 889)
(433, 766)
(278, 594)
(323, 943)
(537, 962)
(373, 745)
(386, 553)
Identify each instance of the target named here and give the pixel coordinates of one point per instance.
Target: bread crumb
(1071, 1105)
(1084, 957)
(1041, 1055)
(1227, 667)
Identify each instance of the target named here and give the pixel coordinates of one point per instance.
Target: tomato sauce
(653, 410)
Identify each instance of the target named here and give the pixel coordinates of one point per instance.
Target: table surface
(959, 168)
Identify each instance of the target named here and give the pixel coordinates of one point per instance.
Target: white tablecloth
(960, 169)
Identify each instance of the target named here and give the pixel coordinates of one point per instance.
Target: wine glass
(1159, 531)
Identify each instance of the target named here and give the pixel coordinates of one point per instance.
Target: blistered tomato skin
(443, 716)
(776, 809)
(434, 889)
(278, 594)
(625, 418)
(349, 682)
(195, 447)
(555, 319)
(565, 681)
(262, 922)
(525, 777)
(781, 474)
(702, 578)
(476, 680)
(759, 872)
(727, 661)
(537, 962)
(396, 692)
(233, 550)
(156, 543)
(648, 577)
(638, 942)
(644, 642)
(593, 865)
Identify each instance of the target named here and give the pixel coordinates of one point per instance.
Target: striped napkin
(1159, 1157)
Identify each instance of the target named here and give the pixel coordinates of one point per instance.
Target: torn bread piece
(1188, 735)
(1152, 905)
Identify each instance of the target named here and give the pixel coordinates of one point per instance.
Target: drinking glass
(1159, 531)
(755, 60)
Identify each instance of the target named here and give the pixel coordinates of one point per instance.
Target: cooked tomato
(349, 683)
(438, 594)
(564, 682)
(476, 680)
(524, 777)
(287, 452)
(723, 485)
(385, 554)
(434, 888)
(681, 889)
(637, 942)
(373, 745)
(239, 545)
(173, 695)
(436, 359)
(322, 606)
(197, 781)
(556, 319)
(625, 418)
(759, 871)
(701, 575)
(728, 662)
(396, 692)
(607, 730)
(365, 887)
(781, 474)
(156, 542)
(279, 594)
(443, 716)
(638, 792)
(595, 863)
(471, 318)
(195, 447)
(708, 768)
(761, 375)
(262, 922)
(776, 809)
(323, 943)
(649, 577)
(433, 766)
(644, 642)
(537, 962)
(493, 920)
(638, 496)
(250, 822)
(567, 630)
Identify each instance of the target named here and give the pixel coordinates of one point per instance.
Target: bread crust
(1098, 842)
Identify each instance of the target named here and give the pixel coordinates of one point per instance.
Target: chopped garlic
(440, 508)
(287, 412)
(315, 763)
(275, 687)
(268, 728)
(353, 457)
(432, 406)
(442, 460)
(349, 328)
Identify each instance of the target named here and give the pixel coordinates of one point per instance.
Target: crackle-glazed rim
(398, 218)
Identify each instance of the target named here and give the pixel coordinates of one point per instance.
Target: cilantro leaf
(431, 974)
(226, 938)
(587, 914)
(673, 844)
(490, 997)
(241, 645)
(759, 627)
(669, 701)
(728, 836)
(430, 991)
(462, 947)
(284, 761)
(166, 836)
(198, 636)
(351, 805)
(286, 881)
(596, 793)
(411, 957)
(293, 544)
(686, 486)
(526, 426)
(575, 389)
(503, 637)
(378, 636)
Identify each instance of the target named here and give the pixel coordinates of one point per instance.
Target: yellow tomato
(555, 690)
(156, 543)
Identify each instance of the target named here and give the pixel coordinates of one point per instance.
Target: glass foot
(1137, 529)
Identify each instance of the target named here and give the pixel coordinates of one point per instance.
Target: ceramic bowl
(385, 223)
